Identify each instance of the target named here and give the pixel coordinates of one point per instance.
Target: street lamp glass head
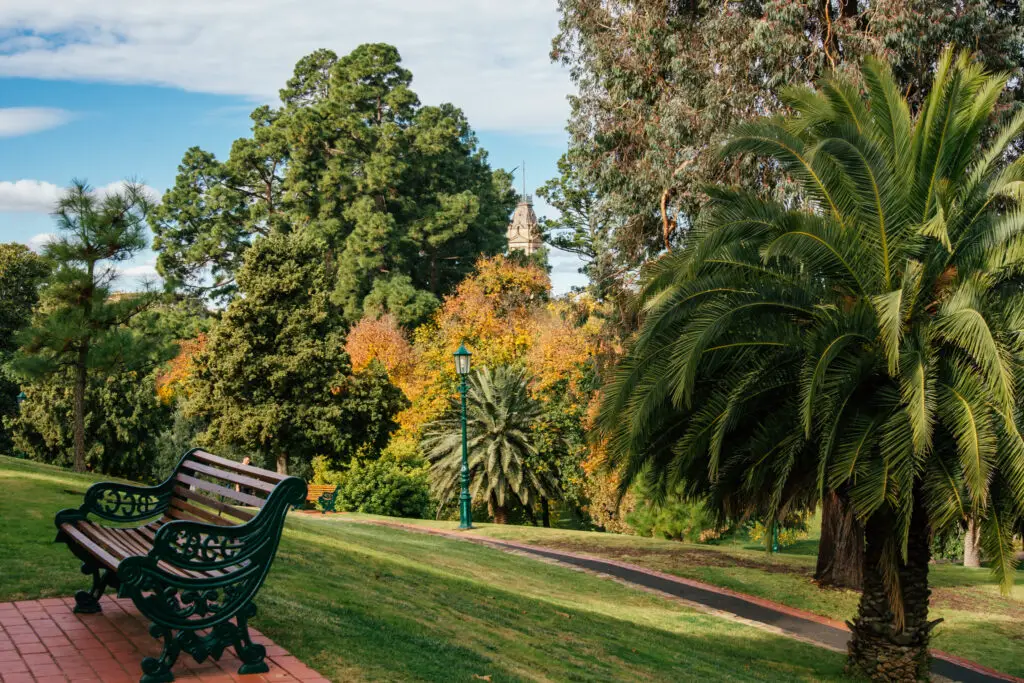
(21, 397)
(462, 361)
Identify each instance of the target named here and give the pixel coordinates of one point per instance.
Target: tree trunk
(545, 513)
(79, 408)
(282, 463)
(878, 648)
(498, 512)
(530, 515)
(841, 549)
(972, 553)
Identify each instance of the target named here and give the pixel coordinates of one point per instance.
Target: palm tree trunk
(498, 512)
(972, 553)
(841, 549)
(79, 408)
(545, 513)
(878, 648)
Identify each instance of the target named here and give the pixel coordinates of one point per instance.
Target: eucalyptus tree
(500, 414)
(864, 338)
(659, 82)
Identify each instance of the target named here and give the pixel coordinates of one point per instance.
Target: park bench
(191, 553)
(324, 494)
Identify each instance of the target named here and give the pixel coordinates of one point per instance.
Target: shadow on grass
(370, 616)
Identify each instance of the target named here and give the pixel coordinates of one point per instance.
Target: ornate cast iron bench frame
(189, 560)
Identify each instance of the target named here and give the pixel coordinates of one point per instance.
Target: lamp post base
(465, 513)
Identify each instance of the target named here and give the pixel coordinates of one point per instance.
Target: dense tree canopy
(273, 377)
(864, 340)
(400, 196)
(21, 274)
(661, 82)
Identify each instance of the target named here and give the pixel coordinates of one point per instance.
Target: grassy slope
(367, 603)
(980, 623)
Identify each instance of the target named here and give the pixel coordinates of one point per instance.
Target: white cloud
(39, 196)
(37, 242)
(491, 58)
(145, 271)
(33, 196)
(16, 121)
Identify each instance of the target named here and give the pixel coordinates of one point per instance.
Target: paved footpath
(42, 641)
(803, 625)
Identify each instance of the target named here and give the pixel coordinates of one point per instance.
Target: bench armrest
(121, 503)
(190, 544)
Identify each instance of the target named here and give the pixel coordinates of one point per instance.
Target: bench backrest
(314, 491)
(215, 490)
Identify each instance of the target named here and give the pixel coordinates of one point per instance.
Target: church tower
(523, 232)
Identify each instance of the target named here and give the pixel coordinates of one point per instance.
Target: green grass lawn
(360, 602)
(980, 623)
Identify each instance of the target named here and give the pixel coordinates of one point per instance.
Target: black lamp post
(465, 502)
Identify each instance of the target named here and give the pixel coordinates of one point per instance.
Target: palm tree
(864, 338)
(500, 413)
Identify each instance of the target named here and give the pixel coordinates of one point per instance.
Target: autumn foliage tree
(505, 315)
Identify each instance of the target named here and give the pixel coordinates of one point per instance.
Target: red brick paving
(43, 641)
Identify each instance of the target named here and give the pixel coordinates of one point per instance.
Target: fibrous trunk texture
(879, 648)
(499, 512)
(841, 549)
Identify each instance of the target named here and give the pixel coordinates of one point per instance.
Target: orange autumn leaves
(502, 313)
(172, 381)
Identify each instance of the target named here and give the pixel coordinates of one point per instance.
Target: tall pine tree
(81, 326)
(399, 194)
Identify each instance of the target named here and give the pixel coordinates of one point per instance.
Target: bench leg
(252, 654)
(158, 670)
(88, 602)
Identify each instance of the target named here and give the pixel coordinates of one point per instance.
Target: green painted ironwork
(234, 561)
(328, 499)
(465, 499)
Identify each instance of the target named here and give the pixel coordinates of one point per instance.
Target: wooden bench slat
(95, 550)
(185, 492)
(226, 475)
(219, 490)
(182, 509)
(265, 475)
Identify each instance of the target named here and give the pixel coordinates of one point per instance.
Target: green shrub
(949, 544)
(384, 487)
(675, 519)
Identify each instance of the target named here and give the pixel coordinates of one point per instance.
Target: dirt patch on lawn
(662, 558)
(973, 600)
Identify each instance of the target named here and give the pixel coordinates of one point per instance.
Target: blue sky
(122, 90)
